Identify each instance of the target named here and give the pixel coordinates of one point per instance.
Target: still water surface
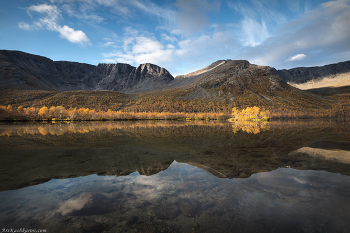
(176, 177)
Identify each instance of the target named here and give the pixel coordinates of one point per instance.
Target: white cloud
(156, 57)
(107, 44)
(176, 31)
(297, 57)
(169, 38)
(259, 10)
(254, 32)
(73, 36)
(50, 22)
(141, 47)
(52, 11)
(84, 12)
(170, 46)
(118, 57)
(26, 26)
(323, 34)
(116, 6)
(151, 8)
(146, 45)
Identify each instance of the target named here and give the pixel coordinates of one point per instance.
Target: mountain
(234, 77)
(240, 83)
(19, 70)
(215, 88)
(32, 72)
(333, 75)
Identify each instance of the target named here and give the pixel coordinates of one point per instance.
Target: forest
(24, 105)
(60, 113)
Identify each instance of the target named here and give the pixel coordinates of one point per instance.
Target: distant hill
(25, 71)
(333, 75)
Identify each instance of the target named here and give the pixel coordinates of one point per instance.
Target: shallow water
(176, 177)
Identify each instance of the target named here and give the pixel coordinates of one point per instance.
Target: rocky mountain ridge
(301, 75)
(32, 72)
(19, 70)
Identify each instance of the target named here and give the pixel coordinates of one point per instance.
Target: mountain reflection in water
(176, 177)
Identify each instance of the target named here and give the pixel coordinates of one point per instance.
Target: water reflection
(250, 127)
(121, 148)
(184, 198)
(176, 177)
(62, 128)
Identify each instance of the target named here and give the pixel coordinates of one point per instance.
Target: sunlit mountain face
(175, 176)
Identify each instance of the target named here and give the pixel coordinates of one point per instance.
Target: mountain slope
(31, 72)
(333, 75)
(239, 82)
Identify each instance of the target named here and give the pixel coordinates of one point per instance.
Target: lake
(175, 176)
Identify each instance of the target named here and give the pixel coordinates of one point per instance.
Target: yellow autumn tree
(52, 111)
(44, 112)
(249, 114)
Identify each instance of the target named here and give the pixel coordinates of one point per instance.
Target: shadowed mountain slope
(25, 71)
(333, 75)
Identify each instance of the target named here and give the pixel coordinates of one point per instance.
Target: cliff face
(304, 74)
(26, 71)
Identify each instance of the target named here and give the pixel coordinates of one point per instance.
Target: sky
(180, 35)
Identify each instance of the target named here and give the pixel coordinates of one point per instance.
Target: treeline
(60, 113)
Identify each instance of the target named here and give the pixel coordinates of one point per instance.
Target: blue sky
(179, 35)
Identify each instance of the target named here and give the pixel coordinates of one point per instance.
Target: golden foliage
(60, 113)
(250, 114)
